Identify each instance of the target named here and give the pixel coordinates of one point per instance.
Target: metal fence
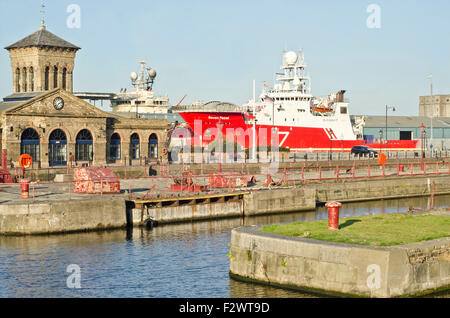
(168, 182)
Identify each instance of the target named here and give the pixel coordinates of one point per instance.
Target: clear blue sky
(212, 50)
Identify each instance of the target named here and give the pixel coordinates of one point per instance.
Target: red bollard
(25, 187)
(333, 215)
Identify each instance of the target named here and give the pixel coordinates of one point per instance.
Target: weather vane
(42, 14)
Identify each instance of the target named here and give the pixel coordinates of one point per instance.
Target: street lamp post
(386, 133)
(381, 136)
(220, 125)
(432, 109)
(422, 130)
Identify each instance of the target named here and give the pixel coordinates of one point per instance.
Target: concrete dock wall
(340, 269)
(108, 212)
(381, 189)
(61, 217)
(187, 213)
(279, 201)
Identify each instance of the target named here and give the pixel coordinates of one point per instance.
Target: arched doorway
(153, 146)
(84, 146)
(135, 146)
(57, 148)
(30, 144)
(115, 147)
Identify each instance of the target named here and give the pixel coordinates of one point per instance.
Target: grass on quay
(378, 230)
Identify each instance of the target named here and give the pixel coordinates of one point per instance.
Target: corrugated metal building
(407, 128)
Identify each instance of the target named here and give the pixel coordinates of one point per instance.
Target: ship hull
(234, 128)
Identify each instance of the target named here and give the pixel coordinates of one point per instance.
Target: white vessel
(142, 99)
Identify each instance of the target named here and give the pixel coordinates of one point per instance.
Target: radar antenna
(145, 79)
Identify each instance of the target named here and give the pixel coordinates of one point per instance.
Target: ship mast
(145, 80)
(294, 66)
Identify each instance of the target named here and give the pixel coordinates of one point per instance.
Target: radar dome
(133, 76)
(290, 58)
(152, 73)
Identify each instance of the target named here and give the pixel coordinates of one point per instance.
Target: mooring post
(333, 215)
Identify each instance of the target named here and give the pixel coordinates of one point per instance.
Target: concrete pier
(62, 216)
(56, 210)
(340, 269)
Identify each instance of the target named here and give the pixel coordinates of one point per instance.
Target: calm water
(176, 261)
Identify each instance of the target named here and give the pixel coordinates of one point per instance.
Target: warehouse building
(436, 132)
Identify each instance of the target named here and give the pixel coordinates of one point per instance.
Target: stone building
(42, 61)
(44, 119)
(438, 107)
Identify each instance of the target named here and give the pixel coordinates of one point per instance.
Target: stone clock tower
(42, 62)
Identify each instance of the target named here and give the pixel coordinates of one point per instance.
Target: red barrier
(95, 180)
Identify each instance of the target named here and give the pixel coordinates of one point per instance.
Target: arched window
(115, 147)
(55, 77)
(47, 81)
(57, 148)
(25, 82)
(31, 79)
(29, 144)
(153, 146)
(18, 80)
(64, 77)
(135, 146)
(84, 146)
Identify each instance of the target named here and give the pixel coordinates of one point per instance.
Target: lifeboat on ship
(322, 109)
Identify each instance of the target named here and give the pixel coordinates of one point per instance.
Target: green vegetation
(380, 230)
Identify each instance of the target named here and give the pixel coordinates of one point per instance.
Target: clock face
(58, 103)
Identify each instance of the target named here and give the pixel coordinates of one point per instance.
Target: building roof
(7, 105)
(405, 121)
(21, 96)
(42, 38)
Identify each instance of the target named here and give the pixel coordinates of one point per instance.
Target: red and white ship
(303, 123)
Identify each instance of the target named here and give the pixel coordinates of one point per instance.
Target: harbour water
(172, 261)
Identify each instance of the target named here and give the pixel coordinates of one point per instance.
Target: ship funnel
(340, 96)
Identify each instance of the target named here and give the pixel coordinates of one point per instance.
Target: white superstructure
(290, 102)
(142, 99)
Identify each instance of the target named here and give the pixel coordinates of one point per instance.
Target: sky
(213, 50)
